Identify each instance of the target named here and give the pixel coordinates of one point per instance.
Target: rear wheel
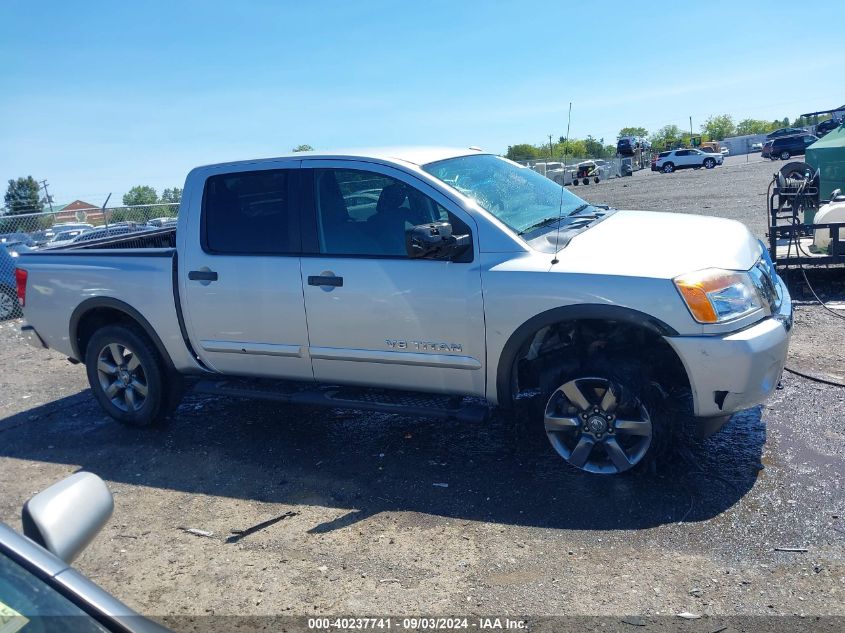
(784, 155)
(128, 376)
(668, 168)
(9, 306)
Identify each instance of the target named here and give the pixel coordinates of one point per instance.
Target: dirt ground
(379, 514)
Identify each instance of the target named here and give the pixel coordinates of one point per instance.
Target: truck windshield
(518, 196)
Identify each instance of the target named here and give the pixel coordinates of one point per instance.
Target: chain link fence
(69, 226)
(573, 171)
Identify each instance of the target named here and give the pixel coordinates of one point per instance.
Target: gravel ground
(395, 515)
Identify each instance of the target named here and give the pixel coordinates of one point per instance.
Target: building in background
(78, 211)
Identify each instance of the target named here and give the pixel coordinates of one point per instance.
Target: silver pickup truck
(423, 281)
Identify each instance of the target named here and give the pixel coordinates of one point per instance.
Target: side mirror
(65, 518)
(435, 241)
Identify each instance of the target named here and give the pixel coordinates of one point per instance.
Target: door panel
(242, 287)
(376, 317)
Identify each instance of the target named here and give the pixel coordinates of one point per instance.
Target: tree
(22, 196)
(140, 195)
(667, 134)
(594, 148)
(172, 195)
(719, 127)
(303, 148)
(522, 151)
(753, 126)
(639, 132)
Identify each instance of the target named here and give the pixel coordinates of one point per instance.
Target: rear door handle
(202, 275)
(325, 280)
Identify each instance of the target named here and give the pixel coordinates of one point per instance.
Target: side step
(408, 403)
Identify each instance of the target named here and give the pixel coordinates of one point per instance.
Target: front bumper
(32, 337)
(736, 371)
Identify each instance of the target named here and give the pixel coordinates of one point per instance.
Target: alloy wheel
(593, 430)
(122, 377)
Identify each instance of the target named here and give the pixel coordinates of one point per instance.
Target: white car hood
(658, 245)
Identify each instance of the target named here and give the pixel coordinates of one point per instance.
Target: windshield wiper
(537, 225)
(578, 209)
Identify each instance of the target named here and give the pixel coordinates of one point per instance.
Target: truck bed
(135, 271)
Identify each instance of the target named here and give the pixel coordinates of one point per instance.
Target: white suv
(667, 162)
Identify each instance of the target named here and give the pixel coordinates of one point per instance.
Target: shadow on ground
(369, 463)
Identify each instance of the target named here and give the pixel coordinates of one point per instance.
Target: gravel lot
(394, 515)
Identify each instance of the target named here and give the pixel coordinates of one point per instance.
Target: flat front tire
(128, 377)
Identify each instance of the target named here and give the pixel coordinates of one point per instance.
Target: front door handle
(202, 275)
(325, 280)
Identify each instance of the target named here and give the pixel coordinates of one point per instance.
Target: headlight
(715, 295)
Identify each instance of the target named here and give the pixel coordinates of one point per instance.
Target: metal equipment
(795, 237)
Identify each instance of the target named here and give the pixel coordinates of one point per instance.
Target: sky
(98, 96)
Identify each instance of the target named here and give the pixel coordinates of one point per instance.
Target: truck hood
(659, 245)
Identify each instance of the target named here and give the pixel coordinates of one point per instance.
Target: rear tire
(129, 378)
(785, 155)
(9, 306)
(668, 168)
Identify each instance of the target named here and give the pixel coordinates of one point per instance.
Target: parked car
(827, 126)
(785, 147)
(9, 306)
(63, 238)
(473, 282)
(785, 131)
(162, 223)
(667, 162)
(16, 238)
(724, 151)
(756, 147)
(39, 590)
(113, 230)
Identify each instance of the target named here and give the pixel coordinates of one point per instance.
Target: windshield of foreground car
(518, 196)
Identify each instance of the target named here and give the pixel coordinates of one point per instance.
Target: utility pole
(47, 195)
(690, 126)
(550, 146)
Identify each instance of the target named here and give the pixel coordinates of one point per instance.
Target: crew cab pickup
(427, 281)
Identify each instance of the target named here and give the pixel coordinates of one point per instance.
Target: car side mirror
(435, 241)
(65, 518)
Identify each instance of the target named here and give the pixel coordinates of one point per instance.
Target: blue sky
(100, 96)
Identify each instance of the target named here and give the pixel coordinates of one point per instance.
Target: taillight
(20, 280)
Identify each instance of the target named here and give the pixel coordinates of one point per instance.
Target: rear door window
(249, 213)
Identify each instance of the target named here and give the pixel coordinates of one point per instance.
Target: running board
(408, 403)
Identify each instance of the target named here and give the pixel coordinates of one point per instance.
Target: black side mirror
(435, 241)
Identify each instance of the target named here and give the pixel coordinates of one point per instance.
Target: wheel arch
(96, 312)
(523, 336)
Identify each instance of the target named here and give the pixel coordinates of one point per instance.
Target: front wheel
(784, 155)
(599, 426)
(128, 376)
(709, 163)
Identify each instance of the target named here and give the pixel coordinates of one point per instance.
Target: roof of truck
(416, 155)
